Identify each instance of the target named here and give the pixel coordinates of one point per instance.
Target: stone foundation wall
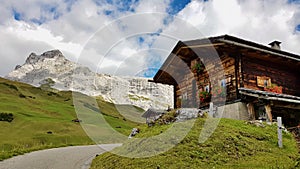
(236, 110)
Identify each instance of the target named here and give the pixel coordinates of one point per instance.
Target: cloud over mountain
(71, 25)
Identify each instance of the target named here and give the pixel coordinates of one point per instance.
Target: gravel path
(75, 157)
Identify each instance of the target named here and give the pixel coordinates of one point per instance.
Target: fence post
(279, 129)
(211, 109)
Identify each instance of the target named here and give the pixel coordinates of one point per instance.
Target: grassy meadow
(234, 144)
(43, 119)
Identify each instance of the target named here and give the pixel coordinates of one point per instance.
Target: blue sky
(174, 7)
(137, 43)
(177, 5)
(298, 28)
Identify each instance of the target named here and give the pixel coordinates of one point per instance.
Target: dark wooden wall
(240, 70)
(184, 90)
(186, 86)
(280, 74)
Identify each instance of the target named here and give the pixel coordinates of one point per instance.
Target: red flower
(274, 88)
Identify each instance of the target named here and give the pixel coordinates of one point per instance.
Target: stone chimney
(275, 45)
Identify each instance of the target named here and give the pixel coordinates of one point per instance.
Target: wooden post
(268, 111)
(236, 74)
(251, 111)
(279, 130)
(211, 109)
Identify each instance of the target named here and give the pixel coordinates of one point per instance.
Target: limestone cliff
(68, 75)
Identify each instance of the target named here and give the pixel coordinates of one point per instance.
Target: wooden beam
(174, 97)
(268, 111)
(204, 45)
(241, 71)
(236, 74)
(285, 105)
(251, 111)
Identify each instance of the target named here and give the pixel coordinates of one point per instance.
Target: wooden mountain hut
(254, 81)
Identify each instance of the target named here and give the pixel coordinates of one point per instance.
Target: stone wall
(236, 110)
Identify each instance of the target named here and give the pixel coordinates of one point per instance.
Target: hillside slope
(43, 119)
(234, 144)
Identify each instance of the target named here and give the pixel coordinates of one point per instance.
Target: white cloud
(146, 6)
(14, 50)
(118, 43)
(40, 34)
(86, 27)
(258, 21)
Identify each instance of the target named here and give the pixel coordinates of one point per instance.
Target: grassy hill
(43, 119)
(234, 144)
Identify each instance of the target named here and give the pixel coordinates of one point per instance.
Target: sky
(134, 37)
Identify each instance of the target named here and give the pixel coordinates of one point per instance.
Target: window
(262, 113)
(184, 96)
(266, 83)
(263, 81)
(206, 88)
(223, 83)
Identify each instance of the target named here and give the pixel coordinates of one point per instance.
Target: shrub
(22, 95)
(6, 117)
(32, 97)
(10, 86)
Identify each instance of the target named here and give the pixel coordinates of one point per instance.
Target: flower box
(204, 97)
(274, 89)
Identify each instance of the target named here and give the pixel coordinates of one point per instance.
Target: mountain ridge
(68, 75)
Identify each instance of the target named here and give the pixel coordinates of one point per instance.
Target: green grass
(234, 144)
(37, 112)
(136, 97)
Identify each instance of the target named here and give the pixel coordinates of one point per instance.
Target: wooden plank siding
(240, 71)
(184, 93)
(279, 74)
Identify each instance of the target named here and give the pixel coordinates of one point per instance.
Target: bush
(6, 117)
(22, 95)
(10, 86)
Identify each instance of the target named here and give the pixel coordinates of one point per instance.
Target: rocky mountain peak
(17, 67)
(52, 54)
(34, 58)
(67, 75)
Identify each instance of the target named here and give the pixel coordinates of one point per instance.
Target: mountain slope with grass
(234, 144)
(45, 118)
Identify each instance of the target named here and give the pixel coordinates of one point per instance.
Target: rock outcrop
(68, 75)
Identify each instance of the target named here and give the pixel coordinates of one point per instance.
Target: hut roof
(269, 95)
